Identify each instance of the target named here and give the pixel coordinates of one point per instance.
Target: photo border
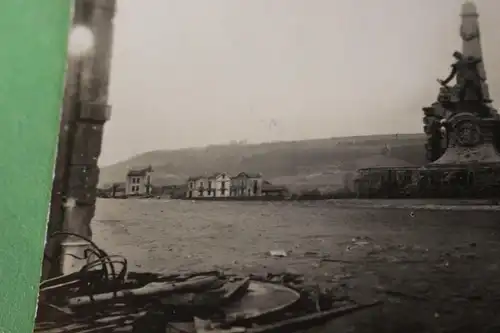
(32, 63)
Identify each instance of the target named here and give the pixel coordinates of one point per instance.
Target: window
(201, 184)
(223, 185)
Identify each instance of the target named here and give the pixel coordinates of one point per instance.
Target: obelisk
(471, 39)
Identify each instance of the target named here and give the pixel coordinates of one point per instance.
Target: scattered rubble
(104, 297)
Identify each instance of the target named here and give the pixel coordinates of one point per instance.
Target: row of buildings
(222, 184)
(138, 182)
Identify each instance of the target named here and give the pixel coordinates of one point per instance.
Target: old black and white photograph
(276, 166)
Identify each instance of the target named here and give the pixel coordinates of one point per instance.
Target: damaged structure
(85, 111)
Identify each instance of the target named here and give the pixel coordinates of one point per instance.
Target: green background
(33, 36)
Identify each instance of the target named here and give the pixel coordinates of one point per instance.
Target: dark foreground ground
(438, 271)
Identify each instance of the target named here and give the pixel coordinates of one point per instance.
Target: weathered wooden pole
(85, 111)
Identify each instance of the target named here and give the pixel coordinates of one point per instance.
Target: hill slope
(313, 162)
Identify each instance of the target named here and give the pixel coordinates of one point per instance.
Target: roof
(248, 175)
(193, 178)
(173, 187)
(139, 171)
(217, 174)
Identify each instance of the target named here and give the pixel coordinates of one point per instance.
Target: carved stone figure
(434, 141)
(468, 134)
(468, 78)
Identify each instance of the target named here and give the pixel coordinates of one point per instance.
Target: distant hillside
(307, 163)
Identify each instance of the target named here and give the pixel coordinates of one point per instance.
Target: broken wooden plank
(235, 289)
(151, 289)
(188, 327)
(311, 320)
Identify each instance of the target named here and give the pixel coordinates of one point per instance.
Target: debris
(342, 261)
(205, 326)
(308, 321)
(278, 253)
(153, 288)
(104, 297)
(400, 294)
(235, 290)
(262, 299)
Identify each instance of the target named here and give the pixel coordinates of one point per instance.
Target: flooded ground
(438, 270)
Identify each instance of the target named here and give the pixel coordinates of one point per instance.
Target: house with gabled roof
(197, 187)
(220, 184)
(215, 185)
(246, 184)
(138, 181)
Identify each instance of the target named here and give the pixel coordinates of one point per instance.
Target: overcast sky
(196, 72)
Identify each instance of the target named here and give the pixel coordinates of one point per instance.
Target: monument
(462, 130)
(461, 126)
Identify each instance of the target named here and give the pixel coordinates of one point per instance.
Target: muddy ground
(437, 271)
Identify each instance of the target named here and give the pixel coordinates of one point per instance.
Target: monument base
(463, 135)
(466, 180)
(470, 140)
(470, 166)
(483, 154)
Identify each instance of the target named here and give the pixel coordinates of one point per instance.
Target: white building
(197, 187)
(216, 185)
(220, 184)
(246, 185)
(138, 181)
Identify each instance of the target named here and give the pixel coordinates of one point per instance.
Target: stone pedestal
(470, 140)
